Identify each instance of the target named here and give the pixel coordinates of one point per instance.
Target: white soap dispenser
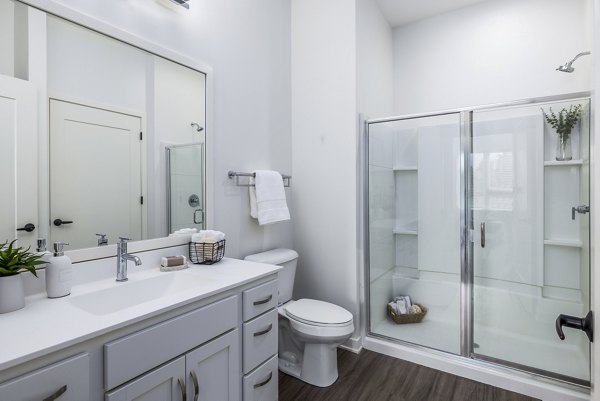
(59, 273)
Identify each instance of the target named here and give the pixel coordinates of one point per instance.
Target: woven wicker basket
(409, 318)
(206, 253)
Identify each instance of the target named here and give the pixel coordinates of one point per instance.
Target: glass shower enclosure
(185, 186)
(471, 215)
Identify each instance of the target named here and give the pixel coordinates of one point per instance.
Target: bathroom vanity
(203, 333)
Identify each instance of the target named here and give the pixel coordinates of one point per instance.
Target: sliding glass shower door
(531, 247)
(479, 218)
(414, 227)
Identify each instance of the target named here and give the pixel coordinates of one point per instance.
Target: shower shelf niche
(563, 242)
(405, 231)
(554, 163)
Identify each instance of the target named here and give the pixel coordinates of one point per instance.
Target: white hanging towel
(267, 198)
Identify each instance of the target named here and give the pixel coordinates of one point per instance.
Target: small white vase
(12, 293)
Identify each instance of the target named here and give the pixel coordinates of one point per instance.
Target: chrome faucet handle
(102, 240)
(124, 239)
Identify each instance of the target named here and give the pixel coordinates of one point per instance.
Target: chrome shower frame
(467, 263)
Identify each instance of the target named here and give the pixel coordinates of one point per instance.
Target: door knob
(29, 227)
(59, 222)
(585, 324)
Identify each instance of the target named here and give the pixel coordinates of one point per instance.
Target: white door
(95, 174)
(18, 161)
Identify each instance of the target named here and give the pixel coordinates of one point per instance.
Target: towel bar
(234, 174)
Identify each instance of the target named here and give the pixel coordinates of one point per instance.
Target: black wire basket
(207, 253)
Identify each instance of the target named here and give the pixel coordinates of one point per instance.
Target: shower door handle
(201, 214)
(482, 230)
(585, 324)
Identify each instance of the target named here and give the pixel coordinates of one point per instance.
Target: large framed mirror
(104, 106)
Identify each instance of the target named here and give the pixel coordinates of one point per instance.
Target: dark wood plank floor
(375, 377)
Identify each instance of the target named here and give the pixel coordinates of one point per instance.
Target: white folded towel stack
(184, 231)
(208, 236)
(267, 198)
(205, 244)
(401, 305)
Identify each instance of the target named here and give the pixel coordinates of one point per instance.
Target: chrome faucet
(123, 257)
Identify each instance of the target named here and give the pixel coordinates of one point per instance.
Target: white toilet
(309, 330)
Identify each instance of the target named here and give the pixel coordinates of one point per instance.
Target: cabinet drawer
(260, 299)
(139, 352)
(262, 384)
(260, 340)
(70, 378)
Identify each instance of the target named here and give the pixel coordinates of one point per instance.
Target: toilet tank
(287, 258)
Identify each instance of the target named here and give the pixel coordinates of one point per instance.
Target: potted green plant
(14, 260)
(563, 123)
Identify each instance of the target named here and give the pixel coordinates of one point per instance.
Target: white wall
(89, 67)
(491, 52)
(375, 61)
(375, 98)
(341, 65)
(324, 147)
(247, 45)
(7, 38)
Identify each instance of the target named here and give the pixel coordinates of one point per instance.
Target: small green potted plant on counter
(564, 124)
(14, 260)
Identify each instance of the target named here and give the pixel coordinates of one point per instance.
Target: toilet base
(318, 366)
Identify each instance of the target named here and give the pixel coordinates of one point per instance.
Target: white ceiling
(400, 12)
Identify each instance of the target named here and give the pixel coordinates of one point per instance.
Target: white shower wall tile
(381, 215)
(186, 160)
(381, 146)
(405, 145)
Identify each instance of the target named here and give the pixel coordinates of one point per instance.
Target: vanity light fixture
(182, 3)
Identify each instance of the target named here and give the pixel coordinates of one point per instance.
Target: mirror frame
(58, 10)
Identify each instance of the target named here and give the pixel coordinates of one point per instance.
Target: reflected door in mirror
(95, 174)
(18, 161)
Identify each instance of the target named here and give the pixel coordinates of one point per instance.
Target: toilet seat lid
(319, 313)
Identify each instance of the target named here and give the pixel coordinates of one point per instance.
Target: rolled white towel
(402, 304)
(208, 236)
(184, 231)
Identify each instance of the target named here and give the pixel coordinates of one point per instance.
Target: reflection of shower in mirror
(197, 127)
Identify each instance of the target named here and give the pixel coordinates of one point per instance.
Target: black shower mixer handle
(585, 324)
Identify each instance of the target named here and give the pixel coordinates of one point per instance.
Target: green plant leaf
(14, 259)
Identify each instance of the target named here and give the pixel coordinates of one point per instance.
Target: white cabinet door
(18, 160)
(95, 174)
(163, 384)
(213, 370)
(67, 380)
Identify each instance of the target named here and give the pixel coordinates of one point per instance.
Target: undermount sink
(133, 293)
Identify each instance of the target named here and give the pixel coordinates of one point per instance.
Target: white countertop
(47, 325)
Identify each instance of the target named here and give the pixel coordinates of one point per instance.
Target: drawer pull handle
(264, 382)
(263, 301)
(265, 331)
(55, 396)
(182, 388)
(196, 385)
